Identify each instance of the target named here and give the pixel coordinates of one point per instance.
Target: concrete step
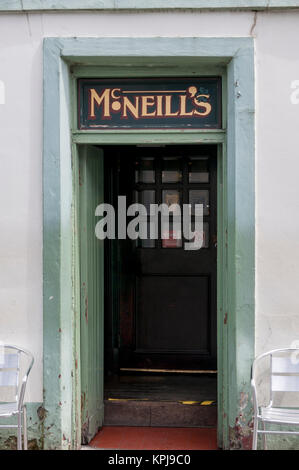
(159, 413)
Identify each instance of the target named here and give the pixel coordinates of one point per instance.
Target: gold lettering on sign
(147, 101)
(142, 104)
(96, 98)
(132, 108)
(159, 106)
(168, 112)
(203, 104)
(114, 96)
(183, 111)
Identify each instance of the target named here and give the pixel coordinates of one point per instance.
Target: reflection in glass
(171, 170)
(147, 243)
(171, 196)
(146, 198)
(198, 170)
(204, 235)
(199, 196)
(145, 170)
(171, 234)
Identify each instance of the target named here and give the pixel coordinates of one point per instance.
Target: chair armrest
(254, 396)
(22, 392)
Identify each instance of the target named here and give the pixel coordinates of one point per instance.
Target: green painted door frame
(91, 251)
(143, 5)
(64, 60)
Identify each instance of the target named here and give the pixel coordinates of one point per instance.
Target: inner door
(167, 296)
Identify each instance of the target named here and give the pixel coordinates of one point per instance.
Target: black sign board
(152, 103)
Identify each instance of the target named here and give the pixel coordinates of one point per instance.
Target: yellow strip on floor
(206, 402)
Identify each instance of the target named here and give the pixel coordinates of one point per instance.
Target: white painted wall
(277, 160)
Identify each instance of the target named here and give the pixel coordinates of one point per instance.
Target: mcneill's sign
(149, 103)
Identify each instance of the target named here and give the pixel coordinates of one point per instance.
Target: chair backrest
(284, 373)
(13, 371)
(284, 369)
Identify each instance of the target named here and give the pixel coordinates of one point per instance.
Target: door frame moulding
(143, 5)
(64, 59)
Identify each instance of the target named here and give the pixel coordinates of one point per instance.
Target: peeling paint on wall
(240, 435)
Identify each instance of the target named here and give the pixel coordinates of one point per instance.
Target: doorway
(161, 299)
(230, 57)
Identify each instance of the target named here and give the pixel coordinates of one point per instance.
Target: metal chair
(15, 366)
(283, 367)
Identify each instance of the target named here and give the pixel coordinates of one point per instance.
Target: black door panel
(167, 295)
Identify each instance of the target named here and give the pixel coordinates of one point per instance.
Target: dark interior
(160, 299)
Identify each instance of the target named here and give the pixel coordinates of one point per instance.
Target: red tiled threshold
(148, 438)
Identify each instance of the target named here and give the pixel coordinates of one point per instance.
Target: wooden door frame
(140, 57)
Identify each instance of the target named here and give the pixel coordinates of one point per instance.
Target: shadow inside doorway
(161, 400)
(168, 387)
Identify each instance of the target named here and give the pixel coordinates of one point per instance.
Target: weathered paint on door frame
(141, 5)
(234, 59)
(91, 260)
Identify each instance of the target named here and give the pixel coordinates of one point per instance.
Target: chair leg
(25, 428)
(264, 436)
(254, 438)
(19, 435)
